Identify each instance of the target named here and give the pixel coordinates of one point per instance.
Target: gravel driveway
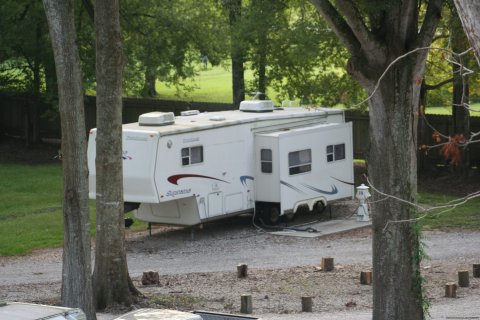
(219, 247)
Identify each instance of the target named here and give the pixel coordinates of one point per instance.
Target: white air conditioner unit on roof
(156, 118)
(256, 106)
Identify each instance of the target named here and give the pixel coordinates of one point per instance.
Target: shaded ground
(14, 150)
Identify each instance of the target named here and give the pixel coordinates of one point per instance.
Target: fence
(15, 112)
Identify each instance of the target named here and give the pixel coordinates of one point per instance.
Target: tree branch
(408, 24)
(339, 25)
(432, 17)
(438, 85)
(357, 25)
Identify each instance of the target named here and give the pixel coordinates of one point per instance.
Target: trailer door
(267, 174)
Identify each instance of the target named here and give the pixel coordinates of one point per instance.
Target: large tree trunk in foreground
(112, 283)
(392, 169)
(469, 11)
(76, 274)
(374, 42)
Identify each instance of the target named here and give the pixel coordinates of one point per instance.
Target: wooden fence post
(451, 290)
(476, 270)
(307, 304)
(246, 304)
(366, 277)
(463, 280)
(327, 264)
(242, 270)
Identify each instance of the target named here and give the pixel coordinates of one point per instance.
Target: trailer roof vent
(189, 113)
(256, 106)
(156, 119)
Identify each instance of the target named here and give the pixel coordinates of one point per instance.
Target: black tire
(319, 207)
(273, 216)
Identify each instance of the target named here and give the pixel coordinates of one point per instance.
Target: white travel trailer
(197, 167)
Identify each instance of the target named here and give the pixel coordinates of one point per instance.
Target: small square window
(192, 155)
(335, 152)
(339, 151)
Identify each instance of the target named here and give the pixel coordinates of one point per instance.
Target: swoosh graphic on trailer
(333, 191)
(243, 179)
(174, 179)
(291, 187)
(350, 183)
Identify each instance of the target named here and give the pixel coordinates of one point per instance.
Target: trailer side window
(192, 155)
(300, 161)
(335, 152)
(266, 160)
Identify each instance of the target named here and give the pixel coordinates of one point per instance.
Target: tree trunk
(469, 11)
(76, 274)
(149, 89)
(460, 113)
(237, 53)
(111, 279)
(374, 43)
(392, 169)
(262, 64)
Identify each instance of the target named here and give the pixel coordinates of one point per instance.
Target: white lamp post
(362, 195)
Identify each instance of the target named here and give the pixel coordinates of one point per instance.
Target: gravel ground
(201, 273)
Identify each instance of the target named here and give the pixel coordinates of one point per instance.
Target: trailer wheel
(273, 216)
(319, 207)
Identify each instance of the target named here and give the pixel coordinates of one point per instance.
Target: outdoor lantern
(362, 196)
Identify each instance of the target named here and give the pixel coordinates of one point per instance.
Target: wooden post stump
(451, 290)
(327, 264)
(150, 277)
(307, 304)
(246, 304)
(463, 279)
(242, 271)
(476, 270)
(366, 277)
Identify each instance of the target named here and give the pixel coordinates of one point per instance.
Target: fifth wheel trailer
(198, 167)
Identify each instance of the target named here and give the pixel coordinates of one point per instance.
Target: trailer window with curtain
(192, 155)
(300, 161)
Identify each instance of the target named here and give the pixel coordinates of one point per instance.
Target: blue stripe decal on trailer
(333, 191)
(291, 187)
(350, 183)
(243, 179)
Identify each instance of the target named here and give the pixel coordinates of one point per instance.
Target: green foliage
(25, 50)
(419, 255)
(306, 60)
(164, 40)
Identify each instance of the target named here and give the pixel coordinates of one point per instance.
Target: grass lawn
(464, 216)
(212, 85)
(31, 209)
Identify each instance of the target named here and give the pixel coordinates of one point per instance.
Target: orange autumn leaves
(450, 150)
